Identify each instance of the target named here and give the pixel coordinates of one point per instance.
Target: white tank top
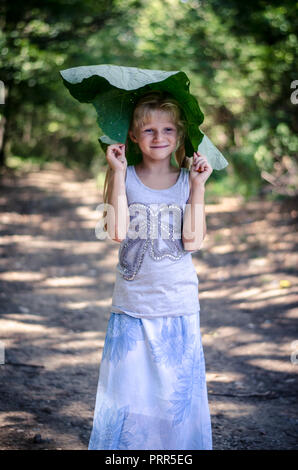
(155, 276)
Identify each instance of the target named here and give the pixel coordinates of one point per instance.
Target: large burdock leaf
(114, 90)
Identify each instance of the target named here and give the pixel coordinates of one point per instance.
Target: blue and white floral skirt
(152, 391)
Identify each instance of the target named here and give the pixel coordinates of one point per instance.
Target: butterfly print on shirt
(153, 227)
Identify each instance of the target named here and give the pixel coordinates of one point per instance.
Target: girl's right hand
(116, 157)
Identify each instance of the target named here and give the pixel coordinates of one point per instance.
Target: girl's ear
(132, 136)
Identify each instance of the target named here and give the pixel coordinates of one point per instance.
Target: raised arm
(194, 221)
(117, 212)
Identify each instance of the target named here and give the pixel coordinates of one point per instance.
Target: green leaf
(214, 156)
(114, 90)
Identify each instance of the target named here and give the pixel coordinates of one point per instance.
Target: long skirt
(152, 391)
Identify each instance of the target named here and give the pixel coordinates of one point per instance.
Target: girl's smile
(160, 147)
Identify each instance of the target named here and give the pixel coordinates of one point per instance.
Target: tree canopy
(240, 58)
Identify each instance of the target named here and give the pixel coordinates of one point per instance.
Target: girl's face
(158, 138)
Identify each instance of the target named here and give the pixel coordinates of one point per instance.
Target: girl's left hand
(200, 169)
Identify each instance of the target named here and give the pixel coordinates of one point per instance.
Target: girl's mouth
(159, 147)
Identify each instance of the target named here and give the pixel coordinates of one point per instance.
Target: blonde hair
(148, 103)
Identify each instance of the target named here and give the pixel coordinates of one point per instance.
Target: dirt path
(56, 283)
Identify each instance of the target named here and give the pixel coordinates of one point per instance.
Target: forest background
(240, 58)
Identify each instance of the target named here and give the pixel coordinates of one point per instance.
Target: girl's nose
(156, 135)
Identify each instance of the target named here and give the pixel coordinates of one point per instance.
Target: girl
(152, 391)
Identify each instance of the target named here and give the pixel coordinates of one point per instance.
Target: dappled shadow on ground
(56, 283)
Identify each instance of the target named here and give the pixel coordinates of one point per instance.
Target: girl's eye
(167, 129)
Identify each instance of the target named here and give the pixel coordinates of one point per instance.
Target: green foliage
(36, 40)
(239, 57)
